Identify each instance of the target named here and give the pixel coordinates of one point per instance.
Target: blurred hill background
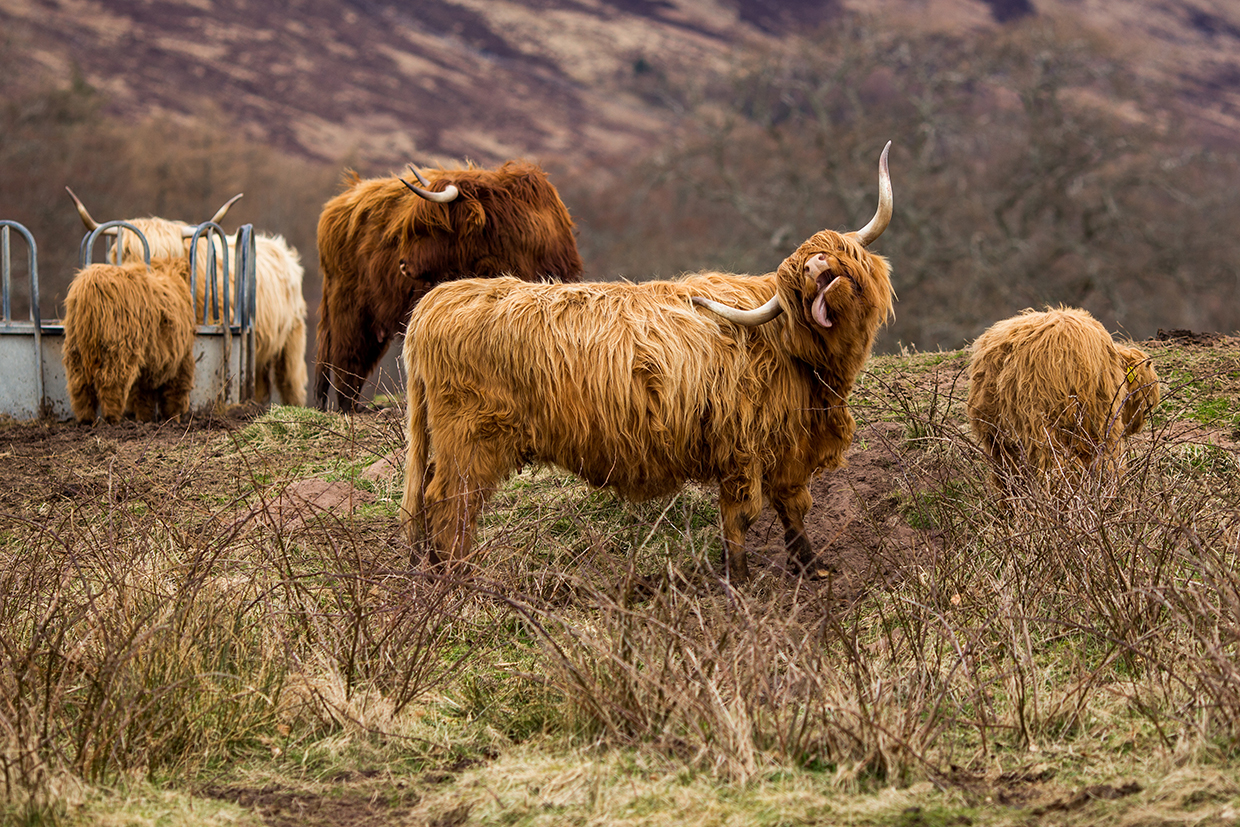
(1045, 151)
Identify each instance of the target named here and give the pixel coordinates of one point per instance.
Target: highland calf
(460, 223)
(1051, 396)
(129, 340)
(643, 387)
(280, 308)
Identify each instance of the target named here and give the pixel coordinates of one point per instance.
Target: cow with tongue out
(643, 387)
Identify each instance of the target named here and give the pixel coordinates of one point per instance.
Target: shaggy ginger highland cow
(129, 340)
(642, 387)
(1052, 396)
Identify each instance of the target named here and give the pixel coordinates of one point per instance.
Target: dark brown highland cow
(642, 387)
(460, 223)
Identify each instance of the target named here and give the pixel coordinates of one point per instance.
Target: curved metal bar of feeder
(88, 243)
(210, 291)
(244, 267)
(32, 263)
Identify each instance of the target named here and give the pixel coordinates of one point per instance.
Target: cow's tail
(416, 461)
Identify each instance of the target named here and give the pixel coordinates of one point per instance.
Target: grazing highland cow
(280, 308)
(1051, 393)
(642, 387)
(460, 223)
(129, 340)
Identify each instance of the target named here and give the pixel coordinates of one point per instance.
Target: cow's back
(624, 384)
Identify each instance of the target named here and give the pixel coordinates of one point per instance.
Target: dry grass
(596, 670)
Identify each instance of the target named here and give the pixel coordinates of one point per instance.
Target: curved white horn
(91, 224)
(882, 217)
(748, 318)
(449, 193)
(421, 178)
(219, 214)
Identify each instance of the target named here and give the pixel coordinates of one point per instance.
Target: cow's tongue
(819, 309)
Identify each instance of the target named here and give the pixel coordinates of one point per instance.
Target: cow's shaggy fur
(1051, 396)
(280, 308)
(508, 220)
(129, 340)
(632, 387)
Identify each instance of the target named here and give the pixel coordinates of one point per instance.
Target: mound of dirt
(1188, 337)
(856, 527)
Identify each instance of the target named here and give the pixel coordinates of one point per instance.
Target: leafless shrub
(144, 635)
(1025, 622)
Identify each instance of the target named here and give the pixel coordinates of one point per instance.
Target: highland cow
(1051, 397)
(280, 308)
(460, 223)
(129, 340)
(643, 387)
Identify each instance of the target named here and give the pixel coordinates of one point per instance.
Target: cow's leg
(175, 396)
(114, 394)
(84, 401)
(143, 400)
(740, 503)
(290, 366)
(792, 504)
(355, 352)
(82, 394)
(262, 385)
(459, 486)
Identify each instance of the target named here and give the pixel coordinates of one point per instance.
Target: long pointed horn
(748, 318)
(449, 193)
(219, 214)
(882, 217)
(421, 178)
(91, 224)
(188, 232)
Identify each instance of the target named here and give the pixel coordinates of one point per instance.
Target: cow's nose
(816, 265)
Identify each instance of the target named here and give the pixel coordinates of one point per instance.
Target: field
(216, 622)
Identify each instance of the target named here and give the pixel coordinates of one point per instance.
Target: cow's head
(165, 238)
(489, 222)
(835, 288)
(186, 230)
(1141, 391)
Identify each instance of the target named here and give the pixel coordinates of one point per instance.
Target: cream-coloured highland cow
(280, 314)
(129, 340)
(1052, 396)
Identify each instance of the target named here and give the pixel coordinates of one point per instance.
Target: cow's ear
(470, 217)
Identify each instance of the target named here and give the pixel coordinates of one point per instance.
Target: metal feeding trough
(32, 374)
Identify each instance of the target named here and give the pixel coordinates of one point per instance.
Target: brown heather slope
(378, 83)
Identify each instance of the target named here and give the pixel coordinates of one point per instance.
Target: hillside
(379, 83)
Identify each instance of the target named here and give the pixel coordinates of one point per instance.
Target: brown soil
(43, 463)
(357, 805)
(855, 526)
